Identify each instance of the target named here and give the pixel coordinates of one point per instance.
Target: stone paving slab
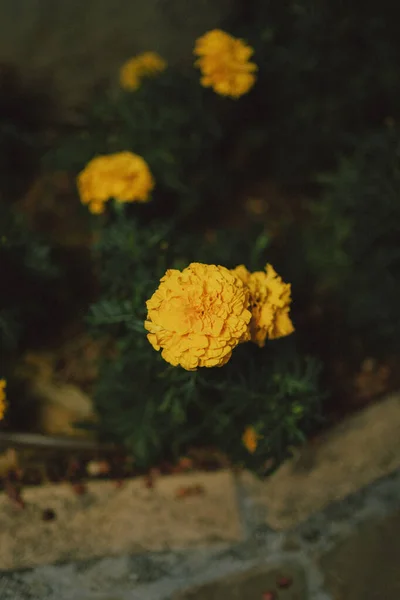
(288, 582)
(349, 551)
(366, 566)
(107, 521)
(347, 458)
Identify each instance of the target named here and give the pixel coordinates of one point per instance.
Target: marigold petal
(134, 70)
(283, 325)
(3, 401)
(250, 439)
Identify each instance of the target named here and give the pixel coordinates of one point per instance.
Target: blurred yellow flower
(224, 63)
(3, 404)
(250, 439)
(270, 304)
(124, 176)
(147, 64)
(198, 316)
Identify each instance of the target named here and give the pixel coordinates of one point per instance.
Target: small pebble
(149, 482)
(284, 582)
(48, 514)
(79, 488)
(194, 490)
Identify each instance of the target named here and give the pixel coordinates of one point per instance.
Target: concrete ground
(351, 551)
(348, 548)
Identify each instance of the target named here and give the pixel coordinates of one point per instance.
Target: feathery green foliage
(353, 241)
(159, 410)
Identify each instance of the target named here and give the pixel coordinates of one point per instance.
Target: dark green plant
(26, 110)
(188, 136)
(327, 72)
(40, 294)
(26, 270)
(353, 241)
(178, 127)
(28, 301)
(160, 411)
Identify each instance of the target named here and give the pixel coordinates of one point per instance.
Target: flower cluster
(198, 316)
(224, 63)
(2, 398)
(270, 304)
(134, 70)
(124, 176)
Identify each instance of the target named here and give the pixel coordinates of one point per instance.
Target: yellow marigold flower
(224, 63)
(147, 64)
(250, 439)
(270, 304)
(124, 176)
(198, 316)
(3, 404)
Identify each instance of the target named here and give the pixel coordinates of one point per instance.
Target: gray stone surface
(350, 550)
(367, 564)
(309, 548)
(288, 580)
(347, 458)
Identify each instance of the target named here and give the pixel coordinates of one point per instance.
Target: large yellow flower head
(224, 63)
(124, 176)
(3, 403)
(198, 316)
(270, 301)
(134, 70)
